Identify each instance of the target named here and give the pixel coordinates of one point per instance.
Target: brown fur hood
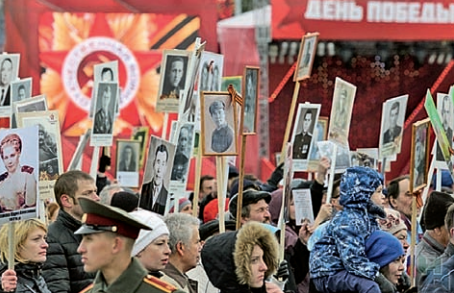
(226, 257)
(252, 234)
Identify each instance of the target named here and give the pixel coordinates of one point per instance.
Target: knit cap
(392, 223)
(383, 248)
(155, 222)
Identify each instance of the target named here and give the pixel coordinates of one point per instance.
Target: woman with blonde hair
(30, 254)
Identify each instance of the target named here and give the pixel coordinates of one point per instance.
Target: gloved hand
(283, 271)
(277, 176)
(104, 162)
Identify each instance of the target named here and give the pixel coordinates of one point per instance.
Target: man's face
(307, 121)
(87, 189)
(160, 167)
(183, 141)
(106, 97)
(95, 250)
(192, 251)
(208, 186)
(128, 154)
(107, 76)
(218, 116)
(403, 202)
(176, 73)
(259, 212)
(21, 94)
(393, 116)
(6, 72)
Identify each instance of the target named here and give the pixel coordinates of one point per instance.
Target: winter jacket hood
(227, 257)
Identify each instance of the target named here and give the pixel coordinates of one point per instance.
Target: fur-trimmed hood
(226, 257)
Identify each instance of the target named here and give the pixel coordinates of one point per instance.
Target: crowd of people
(102, 241)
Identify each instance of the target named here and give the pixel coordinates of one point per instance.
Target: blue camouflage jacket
(342, 246)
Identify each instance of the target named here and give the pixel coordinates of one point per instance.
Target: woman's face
(156, 255)
(258, 268)
(393, 271)
(11, 158)
(402, 236)
(35, 246)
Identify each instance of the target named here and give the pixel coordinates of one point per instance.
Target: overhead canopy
(363, 19)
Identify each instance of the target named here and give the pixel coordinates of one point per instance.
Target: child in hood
(338, 261)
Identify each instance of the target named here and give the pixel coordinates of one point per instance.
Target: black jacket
(29, 279)
(63, 270)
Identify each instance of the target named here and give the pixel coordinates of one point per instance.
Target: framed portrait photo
(250, 95)
(420, 152)
(392, 121)
(341, 111)
(35, 104)
(174, 76)
(104, 72)
(446, 111)
(104, 116)
(211, 72)
(320, 133)
(303, 134)
(306, 56)
(141, 134)
(219, 134)
(21, 89)
(127, 159)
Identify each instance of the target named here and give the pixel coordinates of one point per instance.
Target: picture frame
(320, 134)
(172, 82)
(128, 162)
(49, 145)
(341, 111)
(391, 130)
(250, 93)
(104, 72)
(141, 134)
(21, 90)
(445, 108)
(104, 116)
(306, 57)
(35, 104)
(420, 152)
(219, 134)
(235, 81)
(9, 67)
(159, 160)
(303, 134)
(211, 72)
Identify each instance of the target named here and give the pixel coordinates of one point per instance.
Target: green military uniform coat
(134, 280)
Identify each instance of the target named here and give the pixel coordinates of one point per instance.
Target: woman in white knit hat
(152, 246)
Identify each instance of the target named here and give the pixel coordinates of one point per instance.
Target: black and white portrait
(141, 134)
(420, 153)
(35, 104)
(9, 71)
(445, 109)
(155, 186)
(303, 133)
(175, 76)
(250, 94)
(127, 156)
(218, 124)
(183, 154)
(211, 71)
(21, 89)
(306, 56)
(103, 121)
(393, 116)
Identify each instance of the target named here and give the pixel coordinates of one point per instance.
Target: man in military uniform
(108, 236)
(302, 141)
(103, 117)
(394, 130)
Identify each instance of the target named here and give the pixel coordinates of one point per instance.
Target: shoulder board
(3, 176)
(87, 288)
(27, 169)
(158, 283)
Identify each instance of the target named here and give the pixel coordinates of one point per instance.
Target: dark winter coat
(29, 279)
(227, 257)
(63, 269)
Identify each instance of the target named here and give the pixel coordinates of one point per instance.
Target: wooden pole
(198, 173)
(164, 126)
(220, 186)
(239, 200)
(291, 113)
(413, 242)
(94, 162)
(11, 244)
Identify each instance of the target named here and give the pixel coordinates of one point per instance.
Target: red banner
(363, 19)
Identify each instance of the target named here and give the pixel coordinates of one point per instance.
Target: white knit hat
(155, 222)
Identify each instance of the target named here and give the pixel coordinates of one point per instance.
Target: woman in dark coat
(241, 261)
(30, 254)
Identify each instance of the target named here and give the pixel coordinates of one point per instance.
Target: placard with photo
(446, 111)
(306, 57)
(320, 133)
(104, 72)
(173, 80)
(211, 72)
(341, 111)
(35, 104)
(141, 134)
(9, 72)
(21, 89)
(155, 194)
(184, 141)
(104, 117)
(420, 152)
(250, 95)
(219, 134)
(127, 159)
(343, 160)
(303, 133)
(302, 201)
(19, 174)
(50, 150)
(392, 121)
